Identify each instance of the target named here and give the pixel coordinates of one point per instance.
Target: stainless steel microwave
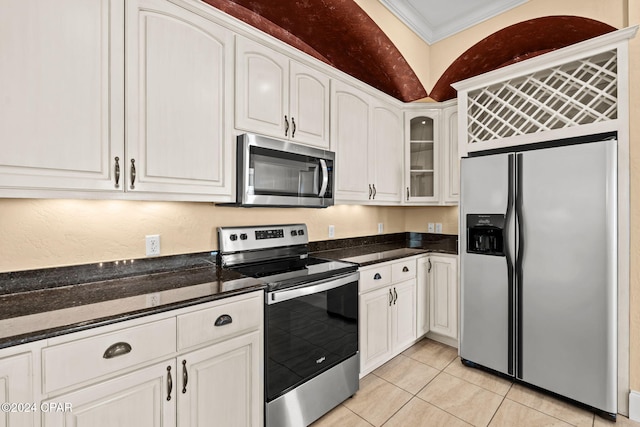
(279, 173)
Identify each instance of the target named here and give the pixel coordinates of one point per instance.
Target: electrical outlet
(332, 231)
(438, 227)
(153, 244)
(430, 228)
(380, 228)
(153, 300)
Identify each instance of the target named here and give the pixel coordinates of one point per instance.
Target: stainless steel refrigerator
(538, 252)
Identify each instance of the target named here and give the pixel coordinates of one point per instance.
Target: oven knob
(300, 232)
(294, 233)
(233, 237)
(243, 236)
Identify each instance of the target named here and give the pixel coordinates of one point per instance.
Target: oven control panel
(236, 239)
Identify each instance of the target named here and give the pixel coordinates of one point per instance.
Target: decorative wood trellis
(576, 93)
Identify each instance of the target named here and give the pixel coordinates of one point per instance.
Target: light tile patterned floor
(427, 385)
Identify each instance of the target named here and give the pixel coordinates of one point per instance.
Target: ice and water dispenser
(485, 234)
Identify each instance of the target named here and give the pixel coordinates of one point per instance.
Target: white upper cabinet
(366, 134)
(178, 64)
(280, 97)
(61, 108)
(431, 154)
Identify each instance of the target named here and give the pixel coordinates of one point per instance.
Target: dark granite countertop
(386, 247)
(39, 304)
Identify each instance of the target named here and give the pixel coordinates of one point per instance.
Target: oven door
(281, 173)
(309, 330)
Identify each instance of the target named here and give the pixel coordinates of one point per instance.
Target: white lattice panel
(576, 93)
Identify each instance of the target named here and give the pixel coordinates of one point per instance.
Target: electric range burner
(276, 254)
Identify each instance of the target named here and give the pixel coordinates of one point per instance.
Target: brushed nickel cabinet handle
(293, 127)
(133, 174)
(405, 269)
(117, 349)
(390, 297)
(169, 383)
(370, 192)
(286, 125)
(185, 376)
(117, 172)
(395, 296)
(374, 191)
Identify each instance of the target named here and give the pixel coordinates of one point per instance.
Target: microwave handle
(325, 177)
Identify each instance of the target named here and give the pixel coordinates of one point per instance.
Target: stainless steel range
(311, 320)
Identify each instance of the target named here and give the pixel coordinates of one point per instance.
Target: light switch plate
(380, 228)
(332, 231)
(438, 227)
(430, 228)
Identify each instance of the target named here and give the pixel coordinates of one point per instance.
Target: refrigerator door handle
(509, 237)
(519, 258)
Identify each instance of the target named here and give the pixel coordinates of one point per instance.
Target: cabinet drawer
(78, 361)
(375, 277)
(403, 270)
(226, 319)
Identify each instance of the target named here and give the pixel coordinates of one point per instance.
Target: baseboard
(442, 339)
(634, 405)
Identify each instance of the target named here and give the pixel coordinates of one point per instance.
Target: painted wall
(47, 233)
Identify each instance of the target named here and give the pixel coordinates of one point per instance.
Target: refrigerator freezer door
(567, 206)
(486, 300)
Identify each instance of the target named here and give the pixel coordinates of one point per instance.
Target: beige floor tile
(621, 421)
(407, 373)
(377, 400)
(432, 353)
(551, 406)
(418, 413)
(466, 401)
(513, 413)
(478, 377)
(340, 416)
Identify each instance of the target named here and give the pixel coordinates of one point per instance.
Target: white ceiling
(435, 20)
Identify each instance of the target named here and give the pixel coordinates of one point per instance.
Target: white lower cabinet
(16, 387)
(220, 385)
(143, 398)
(134, 373)
(387, 312)
(438, 297)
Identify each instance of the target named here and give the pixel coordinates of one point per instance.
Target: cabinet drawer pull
(429, 270)
(377, 276)
(370, 191)
(286, 125)
(185, 376)
(224, 319)
(390, 297)
(395, 296)
(133, 174)
(117, 172)
(374, 191)
(169, 383)
(293, 128)
(405, 269)
(117, 349)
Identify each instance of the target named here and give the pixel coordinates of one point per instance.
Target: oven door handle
(311, 288)
(325, 177)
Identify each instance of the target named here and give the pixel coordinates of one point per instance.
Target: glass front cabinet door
(421, 157)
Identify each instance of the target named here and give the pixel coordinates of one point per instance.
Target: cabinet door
(223, 384)
(422, 157)
(262, 89)
(375, 328)
(385, 152)
(309, 105)
(177, 66)
(350, 140)
(143, 398)
(404, 315)
(422, 296)
(62, 105)
(451, 160)
(443, 296)
(16, 379)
